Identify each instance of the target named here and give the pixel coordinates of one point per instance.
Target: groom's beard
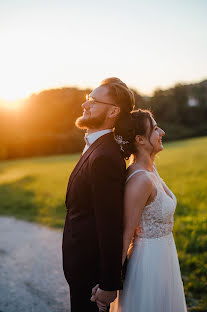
(90, 122)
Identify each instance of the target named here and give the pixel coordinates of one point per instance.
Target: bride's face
(155, 138)
(152, 140)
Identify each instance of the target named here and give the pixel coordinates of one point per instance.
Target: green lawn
(34, 189)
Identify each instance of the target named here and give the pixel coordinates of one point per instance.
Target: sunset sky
(54, 43)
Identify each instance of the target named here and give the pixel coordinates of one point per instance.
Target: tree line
(45, 123)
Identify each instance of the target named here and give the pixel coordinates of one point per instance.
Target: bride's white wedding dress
(153, 280)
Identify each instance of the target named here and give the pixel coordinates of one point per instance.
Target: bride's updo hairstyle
(127, 128)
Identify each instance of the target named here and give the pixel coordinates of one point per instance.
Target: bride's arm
(137, 192)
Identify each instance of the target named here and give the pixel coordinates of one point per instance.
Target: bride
(153, 280)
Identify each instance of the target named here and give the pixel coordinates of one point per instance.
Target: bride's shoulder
(138, 175)
(138, 184)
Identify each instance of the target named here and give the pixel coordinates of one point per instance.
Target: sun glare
(12, 105)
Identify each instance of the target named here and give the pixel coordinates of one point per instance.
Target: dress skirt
(153, 280)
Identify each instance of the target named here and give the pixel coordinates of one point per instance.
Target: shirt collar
(91, 138)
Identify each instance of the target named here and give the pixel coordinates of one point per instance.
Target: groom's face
(95, 109)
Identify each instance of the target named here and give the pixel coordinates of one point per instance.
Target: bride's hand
(101, 306)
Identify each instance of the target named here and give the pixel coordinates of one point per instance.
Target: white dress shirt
(91, 138)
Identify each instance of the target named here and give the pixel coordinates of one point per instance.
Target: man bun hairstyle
(127, 128)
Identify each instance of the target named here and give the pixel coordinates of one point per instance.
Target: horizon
(59, 44)
(20, 101)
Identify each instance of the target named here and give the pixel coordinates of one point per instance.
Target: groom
(93, 231)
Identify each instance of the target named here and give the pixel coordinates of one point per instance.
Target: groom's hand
(94, 289)
(104, 297)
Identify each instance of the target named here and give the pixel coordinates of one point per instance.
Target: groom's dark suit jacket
(93, 232)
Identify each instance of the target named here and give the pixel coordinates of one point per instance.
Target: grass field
(34, 189)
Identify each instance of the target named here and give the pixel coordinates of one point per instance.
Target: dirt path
(31, 276)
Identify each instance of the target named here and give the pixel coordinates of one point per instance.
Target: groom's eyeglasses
(93, 101)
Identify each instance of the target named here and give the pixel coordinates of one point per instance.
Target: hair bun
(127, 126)
(124, 132)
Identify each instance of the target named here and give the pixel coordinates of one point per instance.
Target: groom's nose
(85, 105)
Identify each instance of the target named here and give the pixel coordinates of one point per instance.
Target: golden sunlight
(12, 105)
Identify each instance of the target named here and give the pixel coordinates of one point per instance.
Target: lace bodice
(157, 217)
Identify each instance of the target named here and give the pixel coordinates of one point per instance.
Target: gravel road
(31, 276)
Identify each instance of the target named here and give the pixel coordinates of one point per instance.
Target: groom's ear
(115, 111)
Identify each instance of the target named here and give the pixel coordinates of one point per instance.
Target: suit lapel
(84, 158)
